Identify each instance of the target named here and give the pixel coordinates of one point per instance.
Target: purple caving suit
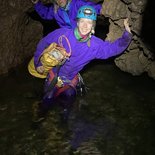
(81, 55)
(64, 17)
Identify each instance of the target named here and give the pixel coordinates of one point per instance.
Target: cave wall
(138, 58)
(20, 34)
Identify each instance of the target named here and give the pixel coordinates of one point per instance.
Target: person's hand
(126, 24)
(40, 69)
(34, 1)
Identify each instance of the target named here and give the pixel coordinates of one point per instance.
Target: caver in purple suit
(65, 17)
(81, 55)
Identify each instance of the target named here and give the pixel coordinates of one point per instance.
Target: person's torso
(81, 54)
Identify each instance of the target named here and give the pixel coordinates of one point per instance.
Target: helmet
(87, 11)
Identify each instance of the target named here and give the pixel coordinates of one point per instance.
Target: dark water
(116, 116)
(148, 23)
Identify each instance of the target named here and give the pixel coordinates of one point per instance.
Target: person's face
(85, 26)
(61, 3)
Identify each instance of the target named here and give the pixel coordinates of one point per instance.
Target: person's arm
(44, 12)
(40, 48)
(44, 43)
(108, 49)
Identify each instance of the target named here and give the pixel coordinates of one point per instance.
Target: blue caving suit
(65, 17)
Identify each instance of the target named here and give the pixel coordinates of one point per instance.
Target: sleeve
(44, 12)
(108, 49)
(44, 43)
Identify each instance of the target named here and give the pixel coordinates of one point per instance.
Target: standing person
(82, 47)
(63, 11)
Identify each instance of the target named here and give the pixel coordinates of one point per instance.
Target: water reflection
(117, 119)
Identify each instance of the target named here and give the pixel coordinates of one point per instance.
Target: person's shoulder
(62, 29)
(56, 32)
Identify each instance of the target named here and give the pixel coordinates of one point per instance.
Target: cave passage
(115, 117)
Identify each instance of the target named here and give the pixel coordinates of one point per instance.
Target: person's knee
(67, 97)
(68, 93)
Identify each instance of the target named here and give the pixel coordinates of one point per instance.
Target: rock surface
(137, 58)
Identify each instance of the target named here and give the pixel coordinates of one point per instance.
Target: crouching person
(81, 47)
(50, 61)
